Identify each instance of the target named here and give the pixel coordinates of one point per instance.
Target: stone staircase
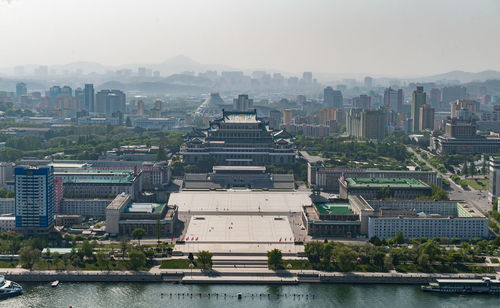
(239, 262)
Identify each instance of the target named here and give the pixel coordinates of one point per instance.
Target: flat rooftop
(385, 182)
(116, 180)
(239, 168)
(145, 207)
(240, 200)
(241, 118)
(118, 202)
(334, 208)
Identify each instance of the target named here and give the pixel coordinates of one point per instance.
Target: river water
(325, 295)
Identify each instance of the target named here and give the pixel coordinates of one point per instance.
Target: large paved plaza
(240, 201)
(248, 228)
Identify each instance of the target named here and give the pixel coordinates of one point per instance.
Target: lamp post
(191, 265)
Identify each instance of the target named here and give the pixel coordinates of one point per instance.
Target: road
(478, 198)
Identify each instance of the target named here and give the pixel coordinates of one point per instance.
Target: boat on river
(9, 288)
(464, 286)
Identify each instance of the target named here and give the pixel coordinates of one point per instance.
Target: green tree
(472, 169)
(274, 259)
(124, 246)
(345, 257)
(137, 259)
(28, 256)
(424, 260)
(86, 250)
(138, 234)
(314, 251)
(128, 122)
(399, 239)
(205, 259)
(161, 155)
(158, 232)
(465, 169)
(484, 168)
(102, 260)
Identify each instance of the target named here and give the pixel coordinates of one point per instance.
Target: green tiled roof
(384, 182)
(333, 208)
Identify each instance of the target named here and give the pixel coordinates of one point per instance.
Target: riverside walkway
(230, 276)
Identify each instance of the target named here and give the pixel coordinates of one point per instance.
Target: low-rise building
(327, 179)
(382, 188)
(415, 219)
(238, 176)
(336, 218)
(7, 205)
(90, 208)
(123, 216)
(102, 187)
(7, 223)
(357, 216)
(68, 220)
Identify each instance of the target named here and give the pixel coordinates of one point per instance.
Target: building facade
(417, 101)
(383, 188)
(494, 190)
(34, 201)
(239, 138)
(415, 219)
(327, 179)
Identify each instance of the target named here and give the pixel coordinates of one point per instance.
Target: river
(325, 295)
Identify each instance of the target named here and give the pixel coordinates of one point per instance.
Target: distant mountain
(463, 76)
(86, 67)
(155, 87)
(180, 63)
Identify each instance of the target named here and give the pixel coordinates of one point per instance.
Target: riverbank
(230, 276)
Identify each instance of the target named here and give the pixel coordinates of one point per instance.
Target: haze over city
(237, 153)
(389, 38)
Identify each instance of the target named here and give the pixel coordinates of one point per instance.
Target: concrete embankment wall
(264, 277)
(37, 276)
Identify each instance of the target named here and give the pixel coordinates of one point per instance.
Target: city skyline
(385, 37)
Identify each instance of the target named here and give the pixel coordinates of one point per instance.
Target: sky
(379, 37)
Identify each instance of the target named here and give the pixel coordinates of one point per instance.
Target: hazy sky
(391, 37)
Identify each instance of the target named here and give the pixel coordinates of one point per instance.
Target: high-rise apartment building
(363, 101)
(426, 117)
(307, 77)
(108, 102)
(462, 104)
(391, 98)
(368, 82)
(452, 93)
(418, 99)
(367, 123)
(400, 100)
(287, 116)
(21, 89)
(435, 97)
(34, 198)
(89, 98)
(328, 96)
(333, 98)
(242, 103)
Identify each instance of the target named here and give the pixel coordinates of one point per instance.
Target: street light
(191, 265)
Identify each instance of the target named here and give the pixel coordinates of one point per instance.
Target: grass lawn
(478, 184)
(8, 264)
(176, 263)
(297, 264)
(414, 268)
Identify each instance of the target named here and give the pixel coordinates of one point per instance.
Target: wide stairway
(239, 262)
